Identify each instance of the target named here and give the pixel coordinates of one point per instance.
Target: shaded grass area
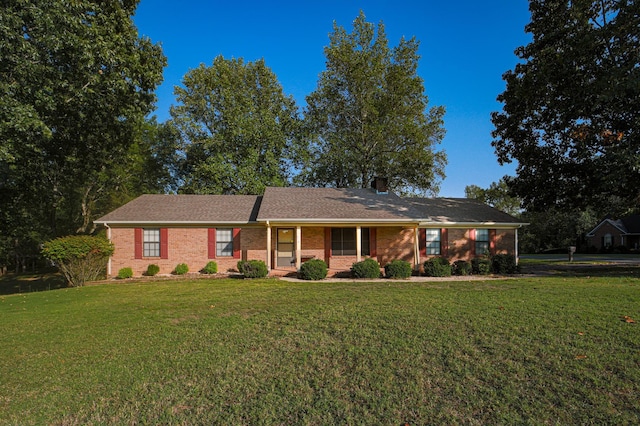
(45, 280)
(533, 351)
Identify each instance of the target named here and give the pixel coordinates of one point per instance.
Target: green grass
(549, 350)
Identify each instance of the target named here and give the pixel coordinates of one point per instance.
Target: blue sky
(465, 47)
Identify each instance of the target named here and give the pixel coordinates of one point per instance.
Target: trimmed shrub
(152, 270)
(80, 258)
(504, 264)
(181, 269)
(481, 266)
(314, 269)
(240, 265)
(210, 268)
(437, 267)
(368, 268)
(125, 273)
(254, 269)
(398, 269)
(461, 267)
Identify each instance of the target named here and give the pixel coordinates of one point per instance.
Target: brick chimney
(381, 185)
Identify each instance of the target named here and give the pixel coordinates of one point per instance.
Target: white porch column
(516, 248)
(358, 243)
(109, 261)
(298, 247)
(268, 246)
(416, 246)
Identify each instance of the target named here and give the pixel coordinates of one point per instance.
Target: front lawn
(550, 350)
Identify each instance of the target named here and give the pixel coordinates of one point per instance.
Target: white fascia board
(172, 223)
(339, 221)
(497, 225)
(610, 222)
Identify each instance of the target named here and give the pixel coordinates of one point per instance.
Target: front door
(285, 247)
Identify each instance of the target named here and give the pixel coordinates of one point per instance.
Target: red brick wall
(186, 245)
(189, 245)
(606, 228)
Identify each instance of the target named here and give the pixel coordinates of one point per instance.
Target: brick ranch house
(287, 226)
(612, 233)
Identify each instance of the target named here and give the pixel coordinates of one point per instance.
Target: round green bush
(368, 268)
(181, 269)
(314, 269)
(481, 266)
(152, 270)
(437, 267)
(504, 264)
(461, 267)
(125, 273)
(210, 268)
(254, 269)
(398, 269)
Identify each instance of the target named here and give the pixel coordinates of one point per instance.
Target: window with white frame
(608, 240)
(151, 242)
(224, 242)
(482, 242)
(433, 238)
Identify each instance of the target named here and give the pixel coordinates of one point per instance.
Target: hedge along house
(287, 226)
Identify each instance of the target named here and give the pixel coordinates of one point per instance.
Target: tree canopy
(237, 128)
(369, 116)
(571, 108)
(497, 195)
(76, 82)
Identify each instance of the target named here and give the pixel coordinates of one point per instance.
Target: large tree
(76, 82)
(571, 108)
(369, 116)
(237, 128)
(497, 195)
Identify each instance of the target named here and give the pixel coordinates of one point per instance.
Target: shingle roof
(459, 210)
(328, 205)
(154, 208)
(333, 204)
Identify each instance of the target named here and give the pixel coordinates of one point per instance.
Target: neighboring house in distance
(612, 233)
(287, 226)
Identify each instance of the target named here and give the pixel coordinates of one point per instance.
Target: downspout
(268, 246)
(108, 261)
(517, 254)
(416, 247)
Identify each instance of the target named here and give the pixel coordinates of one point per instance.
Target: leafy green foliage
(81, 258)
(254, 269)
(125, 273)
(481, 266)
(571, 108)
(210, 268)
(497, 195)
(313, 269)
(437, 267)
(398, 269)
(368, 268)
(369, 116)
(237, 128)
(76, 82)
(181, 269)
(152, 270)
(504, 264)
(461, 267)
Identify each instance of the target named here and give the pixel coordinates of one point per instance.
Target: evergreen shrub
(181, 269)
(437, 267)
(368, 268)
(481, 266)
(504, 264)
(461, 267)
(254, 269)
(125, 273)
(314, 269)
(210, 268)
(398, 269)
(152, 270)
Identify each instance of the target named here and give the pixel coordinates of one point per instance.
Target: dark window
(343, 241)
(482, 242)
